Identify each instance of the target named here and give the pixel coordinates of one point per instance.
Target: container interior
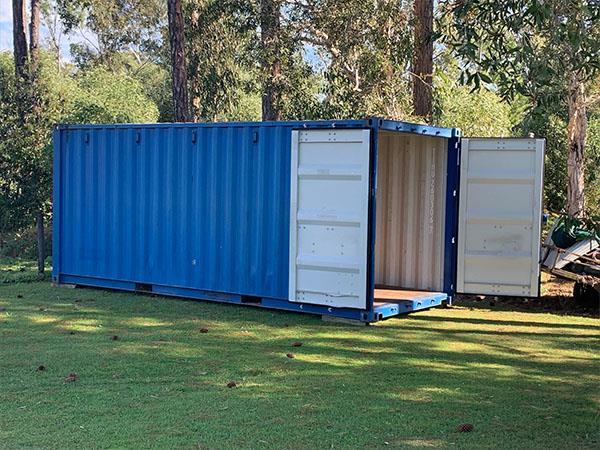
(411, 195)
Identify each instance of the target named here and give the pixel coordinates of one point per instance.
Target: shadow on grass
(504, 322)
(408, 380)
(559, 305)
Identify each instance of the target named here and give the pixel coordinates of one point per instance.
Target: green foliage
(481, 113)
(155, 80)
(104, 96)
(555, 167)
(25, 154)
(118, 25)
(552, 128)
(19, 270)
(23, 243)
(365, 47)
(153, 77)
(223, 76)
(592, 175)
(524, 47)
(301, 90)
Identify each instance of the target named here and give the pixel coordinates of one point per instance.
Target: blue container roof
(371, 122)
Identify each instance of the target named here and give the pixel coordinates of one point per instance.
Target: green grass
(525, 380)
(15, 270)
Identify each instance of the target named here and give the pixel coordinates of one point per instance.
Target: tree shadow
(505, 322)
(402, 380)
(559, 305)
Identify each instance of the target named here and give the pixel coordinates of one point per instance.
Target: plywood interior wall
(411, 189)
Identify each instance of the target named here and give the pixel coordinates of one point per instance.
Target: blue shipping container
(355, 219)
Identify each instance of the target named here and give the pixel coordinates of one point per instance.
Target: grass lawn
(524, 380)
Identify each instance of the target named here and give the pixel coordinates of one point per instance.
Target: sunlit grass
(525, 380)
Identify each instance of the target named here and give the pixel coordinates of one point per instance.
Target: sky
(5, 25)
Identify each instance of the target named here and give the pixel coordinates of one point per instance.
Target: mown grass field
(524, 380)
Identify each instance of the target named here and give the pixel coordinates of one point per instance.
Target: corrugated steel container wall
(179, 206)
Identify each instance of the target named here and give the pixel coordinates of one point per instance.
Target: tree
(270, 27)
(221, 39)
(34, 35)
(34, 61)
(366, 48)
(20, 54)
(181, 103)
(545, 50)
(19, 38)
(423, 59)
(28, 106)
(51, 20)
(109, 27)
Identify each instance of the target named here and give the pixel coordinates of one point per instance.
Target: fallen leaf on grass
(72, 377)
(297, 344)
(465, 428)
(231, 384)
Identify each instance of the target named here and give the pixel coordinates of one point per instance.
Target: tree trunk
(181, 101)
(41, 244)
(34, 61)
(423, 59)
(34, 35)
(576, 133)
(19, 38)
(270, 25)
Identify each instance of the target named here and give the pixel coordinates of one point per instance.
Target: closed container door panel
(329, 217)
(500, 216)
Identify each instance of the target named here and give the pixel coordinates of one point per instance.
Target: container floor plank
(383, 295)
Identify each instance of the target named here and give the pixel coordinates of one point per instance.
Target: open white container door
(500, 216)
(329, 217)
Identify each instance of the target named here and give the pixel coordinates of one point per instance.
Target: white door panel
(500, 216)
(329, 217)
